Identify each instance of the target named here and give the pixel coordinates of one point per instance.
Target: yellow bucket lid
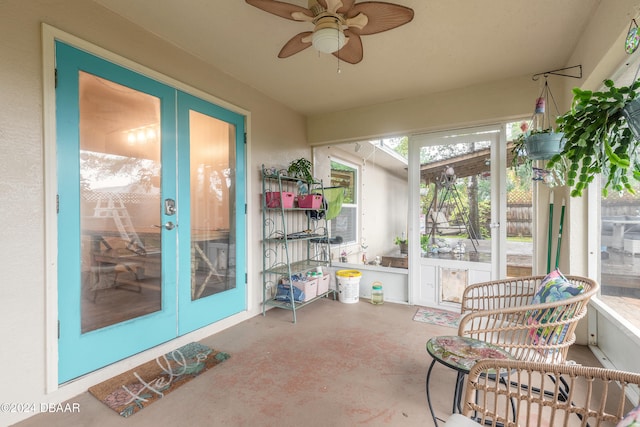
(348, 273)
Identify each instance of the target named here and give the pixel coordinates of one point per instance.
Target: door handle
(168, 225)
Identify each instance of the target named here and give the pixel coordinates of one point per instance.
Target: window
(345, 225)
(620, 239)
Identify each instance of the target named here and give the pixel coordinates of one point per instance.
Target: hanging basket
(631, 112)
(543, 146)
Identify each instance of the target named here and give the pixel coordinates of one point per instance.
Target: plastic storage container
(275, 200)
(311, 201)
(377, 295)
(348, 285)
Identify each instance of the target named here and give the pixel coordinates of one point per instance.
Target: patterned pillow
(632, 419)
(554, 287)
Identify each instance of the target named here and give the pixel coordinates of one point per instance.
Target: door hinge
(245, 208)
(246, 278)
(57, 203)
(245, 138)
(55, 78)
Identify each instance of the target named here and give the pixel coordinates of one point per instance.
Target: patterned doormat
(436, 316)
(131, 391)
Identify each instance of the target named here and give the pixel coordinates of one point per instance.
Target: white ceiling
(449, 44)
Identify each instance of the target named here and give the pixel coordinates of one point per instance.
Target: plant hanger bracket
(559, 72)
(543, 99)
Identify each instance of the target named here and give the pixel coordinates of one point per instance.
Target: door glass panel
(120, 200)
(455, 201)
(212, 160)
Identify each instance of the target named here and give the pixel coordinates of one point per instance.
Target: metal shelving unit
(294, 240)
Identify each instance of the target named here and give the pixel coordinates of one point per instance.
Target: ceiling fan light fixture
(328, 37)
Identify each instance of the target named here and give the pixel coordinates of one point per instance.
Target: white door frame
(498, 202)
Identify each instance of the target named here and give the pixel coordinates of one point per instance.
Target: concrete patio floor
(339, 365)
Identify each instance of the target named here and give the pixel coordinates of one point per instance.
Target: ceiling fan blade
(382, 16)
(297, 43)
(284, 10)
(329, 4)
(352, 50)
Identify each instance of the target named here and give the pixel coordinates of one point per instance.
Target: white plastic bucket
(348, 286)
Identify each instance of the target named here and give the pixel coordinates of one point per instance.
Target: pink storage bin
(274, 200)
(311, 201)
(309, 287)
(323, 284)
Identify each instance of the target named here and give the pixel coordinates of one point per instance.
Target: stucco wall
(474, 105)
(276, 134)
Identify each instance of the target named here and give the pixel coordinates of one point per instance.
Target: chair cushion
(554, 287)
(631, 419)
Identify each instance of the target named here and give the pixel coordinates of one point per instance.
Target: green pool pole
(550, 236)
(560, 233)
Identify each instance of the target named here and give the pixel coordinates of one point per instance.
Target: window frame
(356, 205)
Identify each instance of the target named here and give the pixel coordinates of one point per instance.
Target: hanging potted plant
(536, 145)
(602, 133)
(544, 144)
(539, 140)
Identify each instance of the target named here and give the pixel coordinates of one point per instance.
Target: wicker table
(459, 354)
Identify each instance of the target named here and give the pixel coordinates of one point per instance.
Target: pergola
(465, 165)
(468, 164)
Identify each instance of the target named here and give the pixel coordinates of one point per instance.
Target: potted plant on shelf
(402, 242)
(602, 134)
(300, 168)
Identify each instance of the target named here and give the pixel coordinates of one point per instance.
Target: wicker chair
(598, 396)
(501, 312)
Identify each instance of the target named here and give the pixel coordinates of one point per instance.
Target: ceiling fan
(338, 24)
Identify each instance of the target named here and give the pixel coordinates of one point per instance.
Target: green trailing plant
(300, 168)
(599, 140)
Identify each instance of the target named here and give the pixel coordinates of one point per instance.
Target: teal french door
(151, 212)
(207, 185)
